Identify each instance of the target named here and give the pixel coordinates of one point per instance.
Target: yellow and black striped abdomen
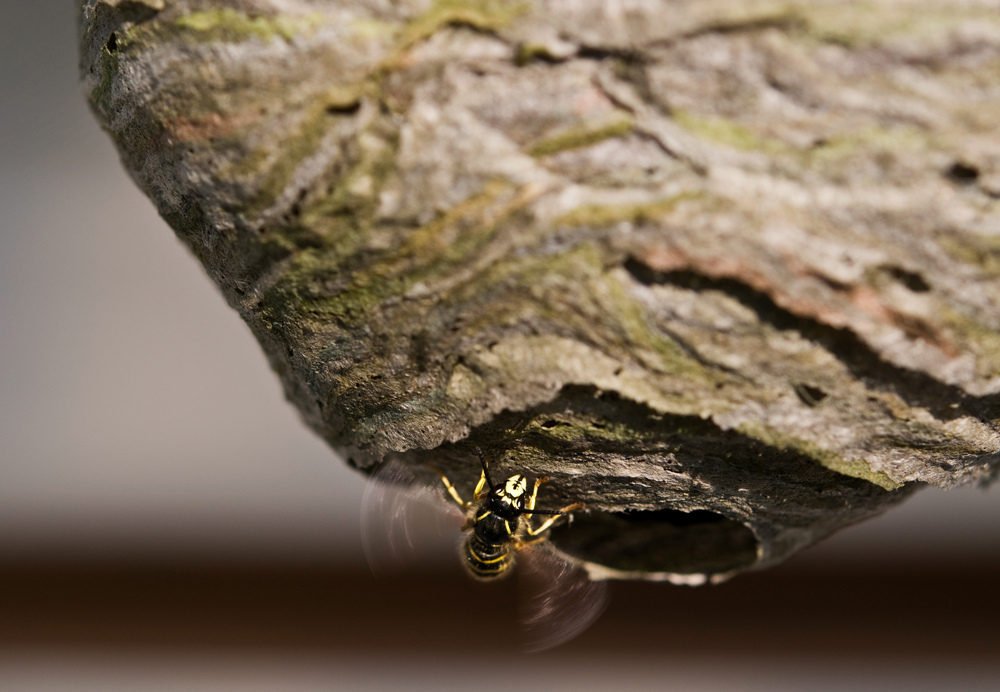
(487, 561)
(488, 551)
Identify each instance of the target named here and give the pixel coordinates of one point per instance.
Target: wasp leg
(534, 494)
(451, 488)
(520, 543)
(555, 515)
(479, 486)
(553, 519)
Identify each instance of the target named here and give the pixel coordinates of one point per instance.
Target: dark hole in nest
(673, 516)
(344, 108)
(911, 280)
(526, 55)
(296, 209)
(962, 173)
(809, 395)
(663, 540)
(112, 44)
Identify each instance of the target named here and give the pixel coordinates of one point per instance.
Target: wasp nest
(724, 270)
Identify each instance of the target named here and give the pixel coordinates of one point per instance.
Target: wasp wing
(559, 600)
(404, 522)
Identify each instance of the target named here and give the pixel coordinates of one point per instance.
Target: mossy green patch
(369, 29)
(291, 153)
(315, 123)
(230, 26)
(923, 439)
(982, 251)
(870, 141)
(866, 141)
(724, 131)
(861, 23)
(428, 253)
(978, 338)
(583, 427)
(453, 235)
(635, 324)
(483, 15)
(598, 216)
(527, 52)
(581, 137)
(575, 290)
(224, 25)
(356, 191)
(587, 417)
(100, 95)
(246, 165)
(854, 468)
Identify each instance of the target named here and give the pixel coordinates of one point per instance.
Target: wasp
(401, 519)
(498, 521)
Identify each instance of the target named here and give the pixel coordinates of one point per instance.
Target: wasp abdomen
(487, 551)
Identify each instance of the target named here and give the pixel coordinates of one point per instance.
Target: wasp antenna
(565, 510)
(486, 470)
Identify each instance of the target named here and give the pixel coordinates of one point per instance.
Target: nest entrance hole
(663, 540)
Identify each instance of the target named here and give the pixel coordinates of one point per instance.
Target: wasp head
(513, 490)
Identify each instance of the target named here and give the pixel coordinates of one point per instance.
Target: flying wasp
(497, 525)
(498, 521)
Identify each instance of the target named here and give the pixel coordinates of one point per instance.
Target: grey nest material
(727, 271)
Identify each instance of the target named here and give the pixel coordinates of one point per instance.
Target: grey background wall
(136, 411)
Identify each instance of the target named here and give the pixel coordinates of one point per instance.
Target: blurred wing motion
(558, 599)
(403, 522)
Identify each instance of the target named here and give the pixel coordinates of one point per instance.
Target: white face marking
(515, 486)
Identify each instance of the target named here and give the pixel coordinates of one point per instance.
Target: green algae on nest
(855, 468)
(230, 26)
(580, 137)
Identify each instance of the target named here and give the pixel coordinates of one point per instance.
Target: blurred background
(167, 523)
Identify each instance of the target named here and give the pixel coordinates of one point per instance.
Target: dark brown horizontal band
(805, 610)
